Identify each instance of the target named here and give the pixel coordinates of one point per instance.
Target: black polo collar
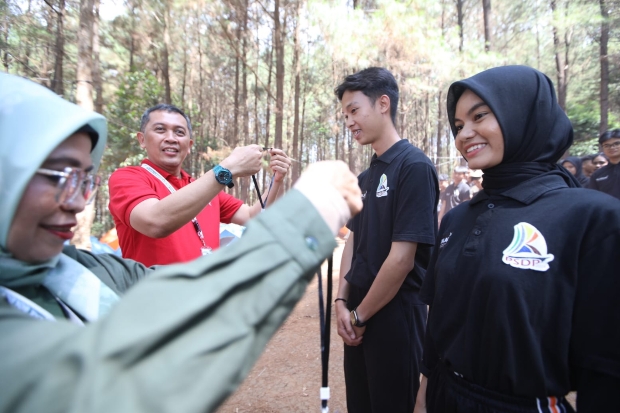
(391, 154)
(528, 191)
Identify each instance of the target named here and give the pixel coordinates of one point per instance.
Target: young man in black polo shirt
(607, 178)
(380, 316)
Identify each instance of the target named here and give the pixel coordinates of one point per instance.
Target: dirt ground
(287, 376)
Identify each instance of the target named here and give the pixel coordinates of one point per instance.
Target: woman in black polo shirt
(523, 285)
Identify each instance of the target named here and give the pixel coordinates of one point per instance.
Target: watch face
(352, 316)
(224, 176)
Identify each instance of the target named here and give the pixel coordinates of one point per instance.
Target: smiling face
(611, 149)
(365, 120)
(167, 141)
(479, 137)
(41, 225)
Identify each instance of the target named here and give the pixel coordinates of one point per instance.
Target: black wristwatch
(223, 176)
(355, 320)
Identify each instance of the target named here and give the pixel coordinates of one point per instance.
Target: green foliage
(585, 118)
(137, 92)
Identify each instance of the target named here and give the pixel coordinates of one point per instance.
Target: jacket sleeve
(179, 341)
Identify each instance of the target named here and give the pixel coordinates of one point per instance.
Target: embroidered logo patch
(444, 241)
(528, 249)
(383, 188)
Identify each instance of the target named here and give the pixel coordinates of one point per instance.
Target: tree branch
(51, 7)
(233, 44)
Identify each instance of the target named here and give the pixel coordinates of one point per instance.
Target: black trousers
(383, 373)
(448, 393)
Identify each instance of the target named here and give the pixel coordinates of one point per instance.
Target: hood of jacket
(33, 121)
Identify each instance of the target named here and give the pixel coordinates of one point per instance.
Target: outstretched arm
(158, 218)
(182, 339)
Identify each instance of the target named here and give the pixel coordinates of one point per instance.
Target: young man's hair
(610, 134)
(163, 107)
(373, 82)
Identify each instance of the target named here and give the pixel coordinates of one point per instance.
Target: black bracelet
(340, 299)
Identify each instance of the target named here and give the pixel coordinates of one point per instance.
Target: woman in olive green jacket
(182, 339)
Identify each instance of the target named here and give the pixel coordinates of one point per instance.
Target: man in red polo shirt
(164, 216)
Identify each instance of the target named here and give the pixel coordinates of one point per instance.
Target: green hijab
(33, 122)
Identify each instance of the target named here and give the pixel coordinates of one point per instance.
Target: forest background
(263, 71)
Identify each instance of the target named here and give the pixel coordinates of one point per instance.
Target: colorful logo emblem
(528, 249)
(383, 188)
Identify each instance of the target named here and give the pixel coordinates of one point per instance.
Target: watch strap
(358, 322)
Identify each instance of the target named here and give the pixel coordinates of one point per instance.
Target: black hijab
(536, 130)
(578, 164)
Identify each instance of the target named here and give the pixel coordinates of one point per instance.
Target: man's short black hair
(163, 107)
(610, 134)
(373, 82)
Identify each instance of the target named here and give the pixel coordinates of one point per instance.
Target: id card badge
(205, 250)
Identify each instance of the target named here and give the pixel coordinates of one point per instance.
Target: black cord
(325, 327)
(258, 192)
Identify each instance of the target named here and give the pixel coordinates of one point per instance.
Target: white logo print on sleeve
(382, 189)
(528, 249)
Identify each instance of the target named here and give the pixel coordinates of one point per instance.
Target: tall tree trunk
(235, 137)
(440, 148)
(256, 90)
(459, 15)
(165, 59)
(97, 83)
(58, 80)
(133, 45)
(245, 116)
(301, 134)
(486, 9)
(84, 98)
(47, 52)
(604, 69)
(561, 62)
(268, 101)
(5, 55)
(184, 81)
(84, 90)
(278, 33)
(297, 68)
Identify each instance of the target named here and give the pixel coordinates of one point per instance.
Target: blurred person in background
(456, 192)
(574, 166)
(475, 180)
(607, 178)
(443, 184)
(599, 160)
(587, 165)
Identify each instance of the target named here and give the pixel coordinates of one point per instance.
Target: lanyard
(204, 250)
(262, 204)
(325, 328)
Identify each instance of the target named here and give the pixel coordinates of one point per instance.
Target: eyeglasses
(71, 182)
(611, 145)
